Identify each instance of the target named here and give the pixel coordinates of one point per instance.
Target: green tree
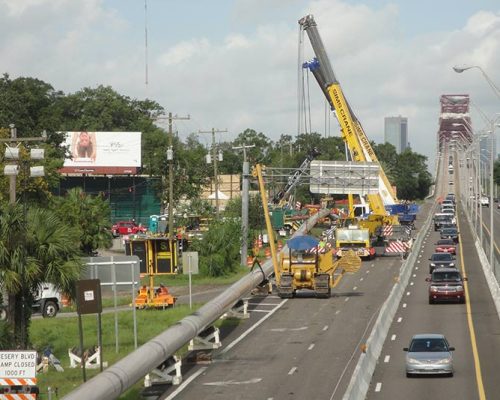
(220, 248)
(412, 178)
(35, 247)
(89, 216)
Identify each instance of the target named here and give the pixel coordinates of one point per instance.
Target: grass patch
(61, 334)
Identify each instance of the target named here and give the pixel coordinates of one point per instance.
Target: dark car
(446, 284)
(441, 260)
(446, 246)
(449, 233)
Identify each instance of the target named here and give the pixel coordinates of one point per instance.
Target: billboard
(99, 153)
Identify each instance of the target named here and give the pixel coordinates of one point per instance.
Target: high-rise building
(396, 132)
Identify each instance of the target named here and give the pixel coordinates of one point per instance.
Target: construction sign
(17, 365)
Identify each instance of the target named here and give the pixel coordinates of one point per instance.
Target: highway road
(473, 328)
(297, 348)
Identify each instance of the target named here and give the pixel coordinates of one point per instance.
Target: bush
(219, 250)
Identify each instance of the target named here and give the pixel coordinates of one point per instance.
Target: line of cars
(431, 353)
(445, 281)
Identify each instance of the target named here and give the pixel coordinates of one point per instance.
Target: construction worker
(162, 290)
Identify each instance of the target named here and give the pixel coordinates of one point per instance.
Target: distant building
(396, 132)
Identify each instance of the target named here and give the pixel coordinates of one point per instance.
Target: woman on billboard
(84, 146)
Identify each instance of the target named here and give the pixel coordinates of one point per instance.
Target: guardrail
(115, 380)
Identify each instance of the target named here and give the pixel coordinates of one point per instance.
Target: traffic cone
(249, 261)
(267, 252)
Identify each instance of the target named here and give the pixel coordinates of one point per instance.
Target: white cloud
(248, 78)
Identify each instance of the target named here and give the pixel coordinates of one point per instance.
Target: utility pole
(216, 177)
(170, 159)
(170, 152)
(244, 203)
(12, 169)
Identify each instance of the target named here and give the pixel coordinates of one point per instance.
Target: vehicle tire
(50, 309)
(450, 375)
(408, 375)
(431, 301)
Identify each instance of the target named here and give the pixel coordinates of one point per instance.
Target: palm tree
(35, 247)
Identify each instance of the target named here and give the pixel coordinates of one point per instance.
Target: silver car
(429, 353)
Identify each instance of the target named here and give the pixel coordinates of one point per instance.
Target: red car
(446, 284)
(446, 246)
(127, 228)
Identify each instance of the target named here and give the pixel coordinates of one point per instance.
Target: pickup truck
(127, 228)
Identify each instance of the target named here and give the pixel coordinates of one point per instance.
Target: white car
(484, 201)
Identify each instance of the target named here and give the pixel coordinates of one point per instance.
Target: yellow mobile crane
(351, 130)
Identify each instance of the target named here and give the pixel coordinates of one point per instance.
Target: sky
(233, 65)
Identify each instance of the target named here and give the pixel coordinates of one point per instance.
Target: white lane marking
(418, 262)
(325, 328)
(400, 319)
(231, 382)
(404, 305)
(256, 310)
(367, 272)
(378, 386)
(311, 346)
(361, 280)
(393, 338)
(387, 358)
(185, 383)
(354, 288)
(253, 327)
(337, 312)
(414, 275)
(261, 304)
(346, 299)
(411, 283)
(292, 370)
(302, 328)
(407, 293)
(416, 267)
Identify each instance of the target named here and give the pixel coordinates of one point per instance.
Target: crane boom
(281, 197)
(351, 129)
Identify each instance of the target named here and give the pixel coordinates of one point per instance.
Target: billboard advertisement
(99, 153)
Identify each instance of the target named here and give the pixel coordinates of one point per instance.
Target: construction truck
(352, 131)
(306, 265)
(354, 238)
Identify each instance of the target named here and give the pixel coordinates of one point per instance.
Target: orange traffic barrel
(267, 252)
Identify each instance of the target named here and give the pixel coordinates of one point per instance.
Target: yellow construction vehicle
(354, 238)
(306, 265)
(352, 131)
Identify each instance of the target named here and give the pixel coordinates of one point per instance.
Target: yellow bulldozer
(309, 265)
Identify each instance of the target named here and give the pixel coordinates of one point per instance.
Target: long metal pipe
(125, 373)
